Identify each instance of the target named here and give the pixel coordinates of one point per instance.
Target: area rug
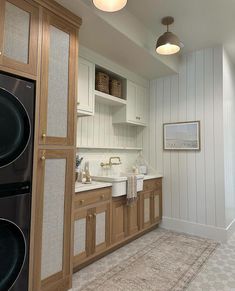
(167, 264)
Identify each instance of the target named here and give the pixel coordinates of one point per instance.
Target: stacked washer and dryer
(17, 100)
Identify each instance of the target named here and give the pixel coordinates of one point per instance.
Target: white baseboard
(206, 231)
(230, 229)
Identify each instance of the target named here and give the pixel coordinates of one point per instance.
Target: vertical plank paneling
(209, 138)
(183, 172)
(167, 201)
(152, 125)
(191, 156)
(218, 141)
(200, 156)
(175, 155)
(159, 122)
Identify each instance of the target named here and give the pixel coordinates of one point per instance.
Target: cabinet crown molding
(61, 11)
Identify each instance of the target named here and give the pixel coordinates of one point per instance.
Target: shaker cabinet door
(57, 100)
(102, 227)
(157, 206)
(19, 35)
(54, 200)
(146, 209)
(86, 95)
(80, 236)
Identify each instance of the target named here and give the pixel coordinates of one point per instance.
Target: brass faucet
(110, 163)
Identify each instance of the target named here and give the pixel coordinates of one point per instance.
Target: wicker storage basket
(102, 82)
(115, 87)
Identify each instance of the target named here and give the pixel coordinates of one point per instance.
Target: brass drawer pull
(43, 158)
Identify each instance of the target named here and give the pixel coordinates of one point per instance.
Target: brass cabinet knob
(82, 201)
(90, 216)
(102, 197)
(43, 158)
(94, 214)
(44, 135)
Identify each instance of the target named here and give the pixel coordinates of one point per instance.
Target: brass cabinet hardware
(82, 201)
(43, 158)
(44, 135)
(90, 216)
(102, 197)
(94, 215)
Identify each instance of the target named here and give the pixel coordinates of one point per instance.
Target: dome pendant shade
(110, 5)
(168, 43)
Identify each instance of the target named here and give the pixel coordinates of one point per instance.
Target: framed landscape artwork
(181, 136)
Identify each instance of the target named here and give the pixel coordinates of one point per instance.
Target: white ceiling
(128, 37)
(198, 23)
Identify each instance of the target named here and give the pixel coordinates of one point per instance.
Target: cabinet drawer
(91, 197)
(153, 184)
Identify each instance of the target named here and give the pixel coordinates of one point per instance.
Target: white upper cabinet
(86, 82)
(135, 112)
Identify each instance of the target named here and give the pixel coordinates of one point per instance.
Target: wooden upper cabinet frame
(30, 67)
(50, 19)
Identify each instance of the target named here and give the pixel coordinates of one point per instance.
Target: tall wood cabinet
(19, 22)
(57, 101)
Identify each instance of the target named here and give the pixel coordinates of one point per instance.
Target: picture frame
(182, 136)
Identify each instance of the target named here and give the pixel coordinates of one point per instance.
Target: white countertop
(152, 176)
(79, 187)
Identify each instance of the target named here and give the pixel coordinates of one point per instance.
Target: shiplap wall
(193, 183)
(98, 130)
(229, 136)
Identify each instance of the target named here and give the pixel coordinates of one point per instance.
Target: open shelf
(110, 148)
(108, 99)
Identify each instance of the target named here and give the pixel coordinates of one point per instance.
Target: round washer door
(12, 253)
(14, 128)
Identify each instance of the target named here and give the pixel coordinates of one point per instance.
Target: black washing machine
(17, 99)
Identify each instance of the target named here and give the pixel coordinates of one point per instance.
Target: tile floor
(217, 274)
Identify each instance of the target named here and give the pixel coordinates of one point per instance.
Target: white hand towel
(131, 189)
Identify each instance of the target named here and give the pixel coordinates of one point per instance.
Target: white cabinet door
(86, 73)
(141, 105)
(131, 101)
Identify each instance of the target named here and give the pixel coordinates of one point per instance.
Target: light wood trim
(100, 209)
(81, 214)
(51, 19)
(53, 154)
(33, 279)
(31, 67)
(89, 198)
(119, 222)
(132, 218)
(61, 11)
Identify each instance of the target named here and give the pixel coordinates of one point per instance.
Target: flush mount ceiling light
(110, 5)
(168, 43)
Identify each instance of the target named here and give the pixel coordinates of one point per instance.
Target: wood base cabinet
(93, 222)
(92, 218)
(151, 203)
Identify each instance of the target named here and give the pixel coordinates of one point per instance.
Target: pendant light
(110, 5)
(168, 43)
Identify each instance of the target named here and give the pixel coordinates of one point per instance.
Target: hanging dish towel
(131, 189)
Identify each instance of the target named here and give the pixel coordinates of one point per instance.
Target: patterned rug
(169, 263)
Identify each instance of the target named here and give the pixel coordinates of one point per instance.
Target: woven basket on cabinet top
(115, 87)
(102, 82)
